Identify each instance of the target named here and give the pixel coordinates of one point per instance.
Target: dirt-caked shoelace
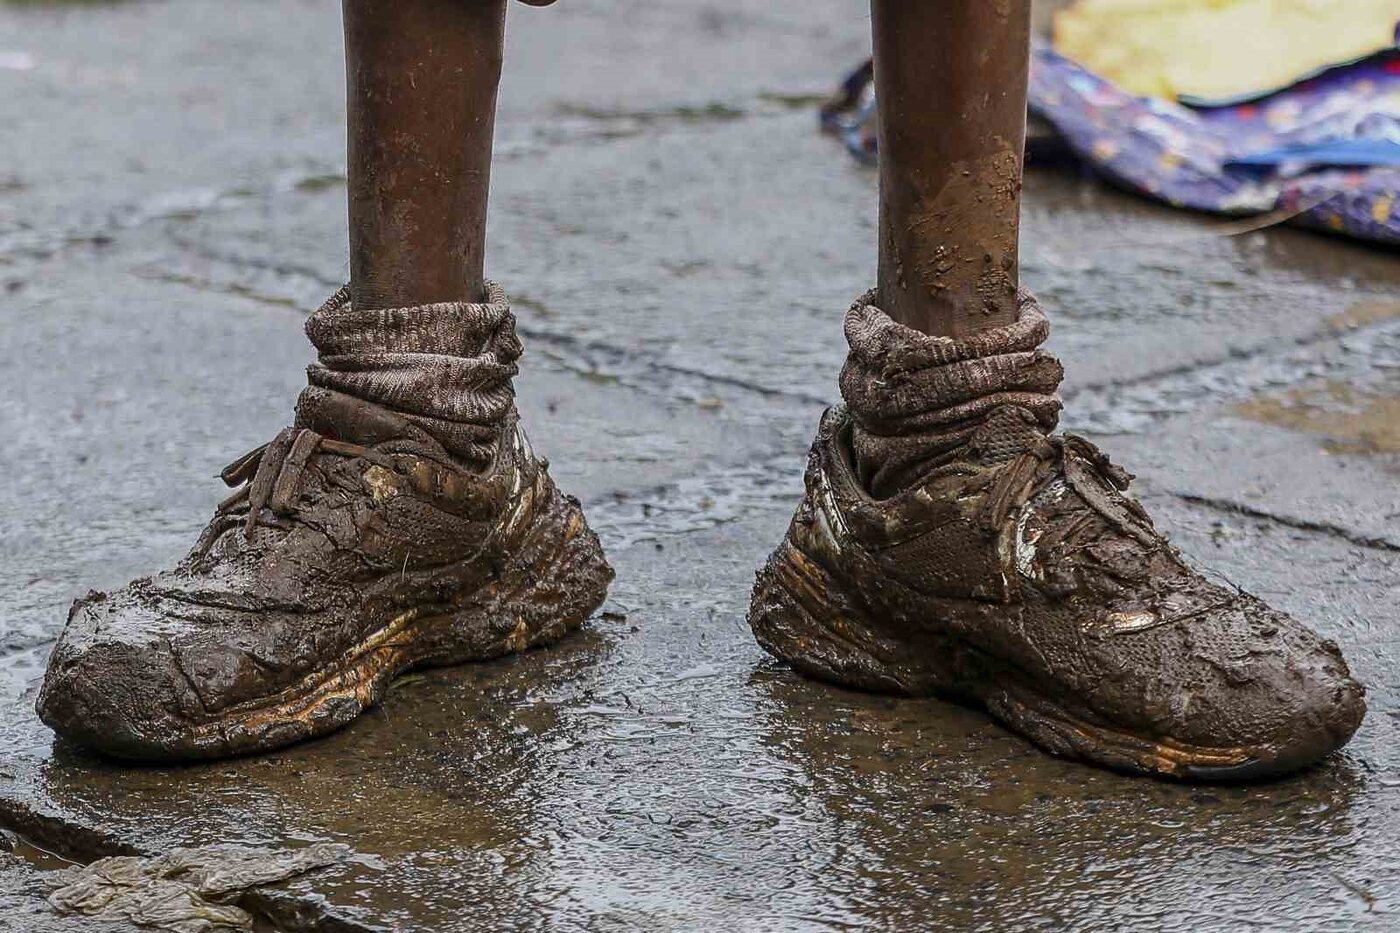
(273, 476)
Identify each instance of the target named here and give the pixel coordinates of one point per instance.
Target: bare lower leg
(421, 80)
(951, 80)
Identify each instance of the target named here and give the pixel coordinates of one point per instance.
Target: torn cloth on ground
(1303, 151)
(185, 890)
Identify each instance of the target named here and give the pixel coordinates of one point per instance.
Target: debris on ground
(185, 890)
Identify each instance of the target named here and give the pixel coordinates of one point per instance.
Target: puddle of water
(39, 857)
(1354, 420)
(1364, 314)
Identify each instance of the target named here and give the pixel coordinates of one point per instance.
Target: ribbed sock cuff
(446, 368)
(916, 399)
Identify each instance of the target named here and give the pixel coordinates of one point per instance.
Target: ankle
(440, 371)
(918, 401)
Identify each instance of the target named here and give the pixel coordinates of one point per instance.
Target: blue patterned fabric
(1325, 152)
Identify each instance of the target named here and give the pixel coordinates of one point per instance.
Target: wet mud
(980, 274)
(1349, 419)
(657, 770)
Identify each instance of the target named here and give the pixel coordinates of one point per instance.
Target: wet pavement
(681, 245)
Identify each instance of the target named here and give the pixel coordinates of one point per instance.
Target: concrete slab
(658, 772)
(680, 248)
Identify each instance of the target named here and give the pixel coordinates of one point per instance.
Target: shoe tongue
(355, 421)
(1005, 434)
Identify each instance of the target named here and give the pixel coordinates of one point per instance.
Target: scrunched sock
(917, 400)
(446, 368)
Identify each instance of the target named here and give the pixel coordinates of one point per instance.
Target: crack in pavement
(572, 124)
(1132, 406)
(586, 357)
(1340, 532)
(1100, 409)
(1127, 406)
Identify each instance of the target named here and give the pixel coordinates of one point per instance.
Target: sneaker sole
(803, 616)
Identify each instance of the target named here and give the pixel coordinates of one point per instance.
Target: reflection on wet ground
(657, 772)
(942, 821)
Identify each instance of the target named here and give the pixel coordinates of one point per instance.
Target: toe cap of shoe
(1286, 698)
(1296, 715)
(113, 685)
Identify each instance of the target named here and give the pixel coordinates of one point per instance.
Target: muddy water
(1348, 418)
(657, 772)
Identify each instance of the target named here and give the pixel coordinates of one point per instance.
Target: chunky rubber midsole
(802, 615)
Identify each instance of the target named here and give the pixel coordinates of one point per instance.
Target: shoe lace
(1085, 468)
(272, 478)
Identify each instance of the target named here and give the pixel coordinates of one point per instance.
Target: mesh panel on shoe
(951, 560)
(1007, 432)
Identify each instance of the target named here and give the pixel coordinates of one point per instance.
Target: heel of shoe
(551, 585)
(801, 614)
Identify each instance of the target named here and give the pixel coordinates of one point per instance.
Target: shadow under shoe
(950, 543)
(357, 548)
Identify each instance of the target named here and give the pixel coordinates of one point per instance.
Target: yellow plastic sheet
(1219, 48)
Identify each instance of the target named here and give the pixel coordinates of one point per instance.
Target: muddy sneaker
(403, 521)
(1004, 566)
